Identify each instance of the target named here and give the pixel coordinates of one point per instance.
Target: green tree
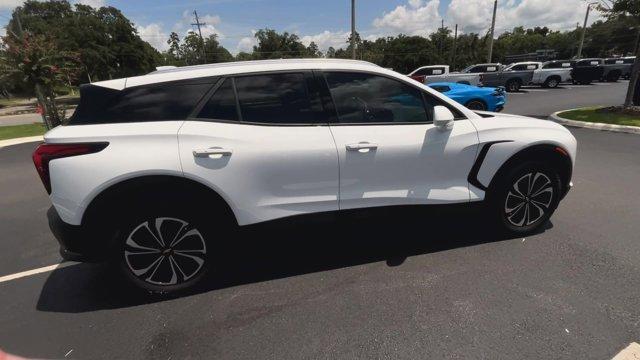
(106, 41)
(36, 61)
(273, 45)
(613, 9)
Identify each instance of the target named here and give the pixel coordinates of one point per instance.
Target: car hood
(492, 120)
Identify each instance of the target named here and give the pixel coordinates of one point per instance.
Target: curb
(595, 126)
(21, 140)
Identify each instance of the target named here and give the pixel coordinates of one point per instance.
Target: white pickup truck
(548, 74)
(440, 73)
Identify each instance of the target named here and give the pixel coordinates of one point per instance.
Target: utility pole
(584, 30)
(353, 29)
(635, 48)
(453, 50)
(441, 36)
(198, 23)
(493, 26)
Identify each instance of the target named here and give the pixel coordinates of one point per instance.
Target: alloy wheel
(553, 83)
(165, 251)
(528, 199)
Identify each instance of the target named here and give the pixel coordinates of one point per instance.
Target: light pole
(493, 26)
(353, 29)
(584, 30)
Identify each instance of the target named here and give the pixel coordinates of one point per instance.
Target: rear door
(390, 153)
(261, 141)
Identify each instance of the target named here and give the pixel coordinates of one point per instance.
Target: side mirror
(442, 118)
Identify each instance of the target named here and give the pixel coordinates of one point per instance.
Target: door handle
(202, 153)
(362, 146)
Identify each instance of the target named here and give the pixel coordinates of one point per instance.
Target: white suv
(152, 168)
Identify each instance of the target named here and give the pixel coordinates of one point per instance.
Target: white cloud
(93, 3)
(154, 35)
(183, 26)
(421, 17)
(416, 18)
(475, 15)
(326, 39)
(246, 44)
(9, 4)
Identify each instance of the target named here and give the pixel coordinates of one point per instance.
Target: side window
(281, 98)
(477, 69)
(155, 102)
(222, 105)
(438, 71)
(369, 98)
(518, 67)
(492, 68)
(426, 71)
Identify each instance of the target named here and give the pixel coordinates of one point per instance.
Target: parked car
(585, 71)
(615, 68)
(473, 97)
(441, 73)
(154, 172)
(512, 80)
(547, 74)
(628, 60)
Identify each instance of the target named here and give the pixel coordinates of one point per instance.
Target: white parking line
(535, 90)
(601, 84)
(36, 271)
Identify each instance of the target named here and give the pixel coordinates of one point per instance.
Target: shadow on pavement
(283, 249)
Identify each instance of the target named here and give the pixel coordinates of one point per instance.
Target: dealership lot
(397, 286)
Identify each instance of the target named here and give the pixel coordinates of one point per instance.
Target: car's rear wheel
(476, 105)
(525, 198)
(551, 82)
(164, 250)
(513, 85)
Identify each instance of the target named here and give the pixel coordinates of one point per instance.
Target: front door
(390, 153)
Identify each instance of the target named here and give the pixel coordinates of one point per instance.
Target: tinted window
(222, 105)
(368, 98)
(629, 61)
(440, 88)
(477, 69)
(274, 99)
(423, 72)
(156, 102)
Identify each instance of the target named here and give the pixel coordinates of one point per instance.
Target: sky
(328, 22)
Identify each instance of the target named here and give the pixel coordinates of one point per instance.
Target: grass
(599, 115)
(17, 131)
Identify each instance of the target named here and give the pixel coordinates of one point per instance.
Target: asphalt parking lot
(416, 286)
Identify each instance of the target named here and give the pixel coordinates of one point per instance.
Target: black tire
(519, 207)
(476, 105)
(150, 262)
(585, 82)
(551, 82)
(613, 76)
(513, 85)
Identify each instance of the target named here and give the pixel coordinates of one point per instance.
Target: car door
(390, 153)
(261, 142)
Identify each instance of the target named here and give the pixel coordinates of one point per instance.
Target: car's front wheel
(476, 105)
(526, 197)
(164, 251)
(513, 85)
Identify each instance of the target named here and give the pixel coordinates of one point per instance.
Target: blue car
(473, 97)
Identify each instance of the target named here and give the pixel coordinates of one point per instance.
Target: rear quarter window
(155, 102)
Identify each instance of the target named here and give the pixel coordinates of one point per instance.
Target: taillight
(47, 152)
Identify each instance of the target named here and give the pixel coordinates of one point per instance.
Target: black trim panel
(473, 174)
